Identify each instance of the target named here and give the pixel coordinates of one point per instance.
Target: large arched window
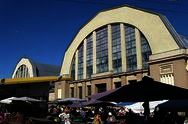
(22, 72)
(126, 42)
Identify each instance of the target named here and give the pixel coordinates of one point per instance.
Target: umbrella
(124, 103)
(99, 95)
(7, 100)
(94, 102)
(68, 101)
(76, 105)
(11, 99)
(144, 91)
(174, 105)
(27, 99)
(71, 99)
(137, 107)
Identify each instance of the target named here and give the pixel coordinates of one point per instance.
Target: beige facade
(61, 90)
(172, 63)
(137, 31)
(148, 23)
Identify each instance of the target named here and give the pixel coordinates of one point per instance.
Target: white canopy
(71, 100)
(27, 99)
(7, 100)
(138, 108)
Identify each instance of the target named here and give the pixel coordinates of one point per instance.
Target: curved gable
(150, 24)
(28, 64)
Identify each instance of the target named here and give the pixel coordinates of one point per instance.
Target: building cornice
(170, 55)
(110, 75)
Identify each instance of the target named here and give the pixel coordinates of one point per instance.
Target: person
(97, 119)
(83, 114)
(111, 118)
(65, 117)
(146, 109)
(121, 112)
(2, 118)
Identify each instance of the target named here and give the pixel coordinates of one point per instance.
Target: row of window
(102, 51)
(80, 91)
(99, 88)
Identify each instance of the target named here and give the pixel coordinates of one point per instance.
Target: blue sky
(42, 29)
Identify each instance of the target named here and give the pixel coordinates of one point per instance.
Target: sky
(42, 29)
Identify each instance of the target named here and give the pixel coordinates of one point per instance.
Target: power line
(164, 10)
(163, 3)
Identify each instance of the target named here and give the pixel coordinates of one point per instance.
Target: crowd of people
(61, 114)
(111, 115)
(92, 115)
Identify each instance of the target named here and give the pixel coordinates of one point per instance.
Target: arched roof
(156, 28)
(37, 69)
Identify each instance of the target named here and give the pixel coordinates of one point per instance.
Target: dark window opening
(72, 91)
(117, 84)
(80, 92)
(101, 87)
(89, 90)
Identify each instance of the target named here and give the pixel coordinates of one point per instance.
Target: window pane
(22, 72)
(130, 48)
(80, 62)
(73, 69)
(146, 51)
(72, 91)
(102, 50)
(80, 92)
(116, 48)
(89, 90)
(89, 56)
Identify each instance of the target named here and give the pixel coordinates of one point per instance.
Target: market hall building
(26, 67)
(119, 45)
(31, 79)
